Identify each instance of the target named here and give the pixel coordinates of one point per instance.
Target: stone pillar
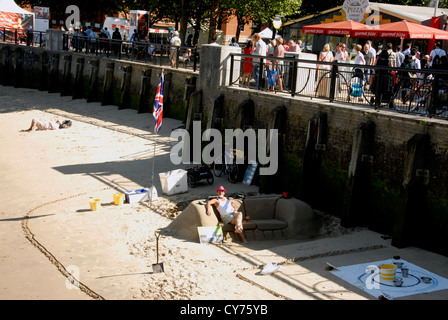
(216, 68)
(54, 40)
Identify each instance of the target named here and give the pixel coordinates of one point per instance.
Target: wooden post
(410, 212)
(357, 193)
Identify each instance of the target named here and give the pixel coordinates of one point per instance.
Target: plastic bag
(270, 268)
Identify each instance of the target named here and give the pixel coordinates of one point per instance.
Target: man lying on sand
(49, 125)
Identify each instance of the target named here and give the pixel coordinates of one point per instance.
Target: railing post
(231, 69)
(378, 75)
(161, 54)
(293, 79)
(333, 82)
(434, 103)
(260, 74)
(195, 59)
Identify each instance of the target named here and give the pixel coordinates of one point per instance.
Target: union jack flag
(158, 106)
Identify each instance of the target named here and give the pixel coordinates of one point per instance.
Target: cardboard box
(210, 234)
(174, 182)
(135, 196)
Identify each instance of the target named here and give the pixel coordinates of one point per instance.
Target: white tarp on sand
(360, 276)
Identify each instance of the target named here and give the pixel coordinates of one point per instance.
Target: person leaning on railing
(342, 57)
(323, 74)
(383, 78)
(260, 50)
(247, 64)
(278, 64)
(116, 39)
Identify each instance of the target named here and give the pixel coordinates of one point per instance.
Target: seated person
(227, 211)
(186, 56)
(49, 125)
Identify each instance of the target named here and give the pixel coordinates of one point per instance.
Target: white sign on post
(355, 10)
(41, 16)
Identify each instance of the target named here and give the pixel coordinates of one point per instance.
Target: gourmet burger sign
(355, 10)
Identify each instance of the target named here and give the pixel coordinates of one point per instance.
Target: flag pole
(158, 114)
(153, 160)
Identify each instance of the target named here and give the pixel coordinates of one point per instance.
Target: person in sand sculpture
(48, 125)
(227, 211)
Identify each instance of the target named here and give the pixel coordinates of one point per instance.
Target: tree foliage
(312, 6)
(195, 13)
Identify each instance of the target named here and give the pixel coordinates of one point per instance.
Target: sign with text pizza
(355, 10)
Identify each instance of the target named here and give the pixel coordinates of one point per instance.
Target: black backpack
(436, 59)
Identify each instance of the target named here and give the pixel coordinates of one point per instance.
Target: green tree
(312, 6)
(262, 11)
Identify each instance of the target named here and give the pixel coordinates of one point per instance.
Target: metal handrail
(339, 76)
(18, 36)
(133, 50)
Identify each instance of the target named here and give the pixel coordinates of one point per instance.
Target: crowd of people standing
(275, 48)
(366, 55)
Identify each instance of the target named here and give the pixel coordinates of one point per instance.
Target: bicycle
(226, 164)
(416, 96)
(408, 98)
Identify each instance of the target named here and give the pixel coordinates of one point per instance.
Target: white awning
(12, 7)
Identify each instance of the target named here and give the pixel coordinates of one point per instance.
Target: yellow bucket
(387, 271)
(118, 198)
(95, 204)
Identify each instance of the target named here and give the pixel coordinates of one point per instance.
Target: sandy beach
(48, 231)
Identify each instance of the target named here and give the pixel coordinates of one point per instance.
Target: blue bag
(272, 76)
(356, 90)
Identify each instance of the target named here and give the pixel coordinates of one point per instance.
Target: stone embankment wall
(116, 82)
(380, 169)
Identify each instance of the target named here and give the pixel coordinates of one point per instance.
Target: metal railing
(155, 53)
(21, 36)
(379, 87)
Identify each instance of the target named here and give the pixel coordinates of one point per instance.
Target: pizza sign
(355, 10)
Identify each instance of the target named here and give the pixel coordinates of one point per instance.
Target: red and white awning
(153, 30)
